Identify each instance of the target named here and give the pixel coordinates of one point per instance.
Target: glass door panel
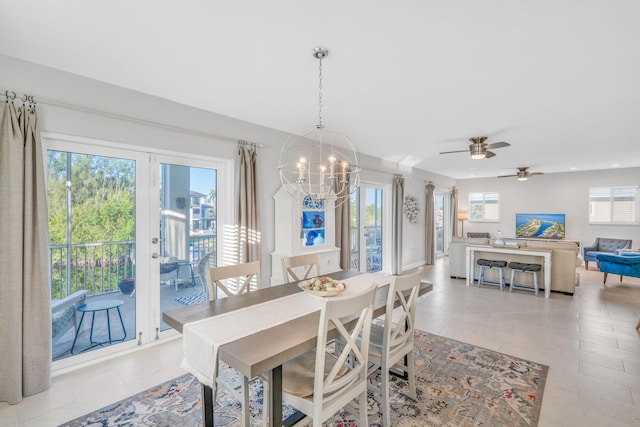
(373, 228)
(92, 243)
(187, 233)
(366, 228)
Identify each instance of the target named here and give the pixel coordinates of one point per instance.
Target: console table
(545, 254)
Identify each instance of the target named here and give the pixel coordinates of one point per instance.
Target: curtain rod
(11, 96)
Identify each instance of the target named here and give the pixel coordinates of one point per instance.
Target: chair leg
(412, 374)
(638, 325)
(501, 273)
(513, 280)
(481, 279)
(586, 264)
(535, 283)
(604, 282)
(362, 408)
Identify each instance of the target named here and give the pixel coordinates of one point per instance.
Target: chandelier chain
(320, 93)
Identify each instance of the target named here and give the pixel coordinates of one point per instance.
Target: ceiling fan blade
(536, 173)
(498, 144)
(506, 176)
(458, 151)
(489, 154)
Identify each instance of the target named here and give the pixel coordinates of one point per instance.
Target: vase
(127, 285)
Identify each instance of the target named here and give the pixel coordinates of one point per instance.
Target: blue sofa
(603, 245)
(625, 264)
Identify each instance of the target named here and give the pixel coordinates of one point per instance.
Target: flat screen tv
(543, 226)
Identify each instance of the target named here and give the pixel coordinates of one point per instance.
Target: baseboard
(412, 266)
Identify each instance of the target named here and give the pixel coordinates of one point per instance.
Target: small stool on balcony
(518, 267)
(490, 263)
(93, 307)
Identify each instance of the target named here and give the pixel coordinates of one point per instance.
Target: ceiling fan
(479, 149)
(523, 174)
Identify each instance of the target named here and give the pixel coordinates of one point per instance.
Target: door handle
(155, 255)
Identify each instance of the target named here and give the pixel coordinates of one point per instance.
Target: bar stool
(489, 263)
(524, 268)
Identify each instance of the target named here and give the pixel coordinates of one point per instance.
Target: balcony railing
(97, 267)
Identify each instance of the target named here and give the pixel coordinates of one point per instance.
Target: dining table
(266, 350)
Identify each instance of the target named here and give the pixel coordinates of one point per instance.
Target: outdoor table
(93, 307)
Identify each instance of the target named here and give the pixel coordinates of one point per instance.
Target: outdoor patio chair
(169, 270)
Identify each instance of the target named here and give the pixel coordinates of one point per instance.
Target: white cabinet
(302, 228)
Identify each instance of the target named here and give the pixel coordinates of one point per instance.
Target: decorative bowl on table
(322, 286)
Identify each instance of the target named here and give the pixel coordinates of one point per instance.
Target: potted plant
(127, 285)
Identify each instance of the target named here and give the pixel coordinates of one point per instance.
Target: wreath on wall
(411, 209)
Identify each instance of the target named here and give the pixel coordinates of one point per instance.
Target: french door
(127, 229)
(369, 224)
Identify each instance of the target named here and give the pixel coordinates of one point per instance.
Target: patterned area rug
(458, 385)
(198, 298)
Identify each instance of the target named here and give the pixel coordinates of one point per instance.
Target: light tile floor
(588, 340)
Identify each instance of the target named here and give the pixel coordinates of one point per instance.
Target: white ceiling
(405, 80)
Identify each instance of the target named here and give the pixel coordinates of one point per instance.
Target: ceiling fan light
(477, 151)
(522, 178)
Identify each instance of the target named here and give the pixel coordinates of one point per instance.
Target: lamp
(320, 164)
(462, 217)
(523, 175)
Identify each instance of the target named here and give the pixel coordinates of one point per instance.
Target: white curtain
(248, 212)
(396, 219)
(429, 225)
(25, 301)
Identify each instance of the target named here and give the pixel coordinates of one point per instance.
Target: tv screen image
(544, 226)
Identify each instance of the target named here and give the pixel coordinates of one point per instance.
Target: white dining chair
(391, 344)
(234, 280)
(300, 267)
(319, 383)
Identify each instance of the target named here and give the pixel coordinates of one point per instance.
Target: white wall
(50, 84)
(566, 193)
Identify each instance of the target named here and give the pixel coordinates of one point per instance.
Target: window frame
(485, 198)
(612, 212)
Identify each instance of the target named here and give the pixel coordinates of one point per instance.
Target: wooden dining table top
(258, 353)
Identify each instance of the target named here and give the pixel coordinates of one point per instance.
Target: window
(484, 206)
(613, 205)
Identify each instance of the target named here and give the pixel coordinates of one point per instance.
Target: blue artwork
(312, 219)
(312, 203)
(313, 237)
(544, 226)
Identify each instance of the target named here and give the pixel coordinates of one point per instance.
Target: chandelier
(320, 164)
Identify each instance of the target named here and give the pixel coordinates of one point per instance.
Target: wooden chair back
(300, 267)
(398, 338)
(234, 279)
